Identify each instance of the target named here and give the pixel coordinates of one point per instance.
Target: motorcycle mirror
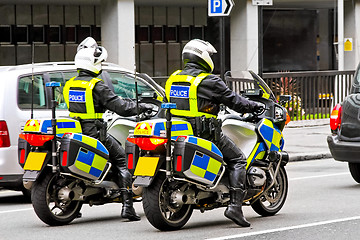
(285, 98)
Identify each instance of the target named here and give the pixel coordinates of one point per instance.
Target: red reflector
(179, 163)
(64, 159)
(22, 156)
(36, 139)
(4, 135)
(1, 178)
(335, 117)
(148, 143)
(130, 161)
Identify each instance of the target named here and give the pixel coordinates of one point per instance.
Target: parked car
(16, 100)
(344, 143)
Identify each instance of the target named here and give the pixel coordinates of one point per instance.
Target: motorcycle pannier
(83, 155)
(197, 159)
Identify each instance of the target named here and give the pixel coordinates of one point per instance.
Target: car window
(61, 77)
(124, 85)
(25, 87)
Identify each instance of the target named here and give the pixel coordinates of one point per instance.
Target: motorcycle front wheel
(159, 210)
(46, 203)
(273, 200)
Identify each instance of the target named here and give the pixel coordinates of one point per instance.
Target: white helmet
(88, 42)
(199, 51)
(90, 59)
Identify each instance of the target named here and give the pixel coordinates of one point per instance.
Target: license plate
(146, 166)
(34, 161)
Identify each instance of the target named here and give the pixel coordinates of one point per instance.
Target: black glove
(258, 108)
(144, 107)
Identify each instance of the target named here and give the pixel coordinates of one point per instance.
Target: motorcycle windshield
(260, 83)
(246, 80)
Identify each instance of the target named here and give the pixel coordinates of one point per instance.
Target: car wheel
(355, 171)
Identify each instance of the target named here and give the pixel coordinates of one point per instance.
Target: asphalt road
(323, 203)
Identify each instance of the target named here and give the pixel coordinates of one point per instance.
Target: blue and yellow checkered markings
(89, 162)
(91, 142)
(257, 153)
(282, 142)
(62, 126)
(178, 128)
(271, 135)
(205, 166)
(205, 144)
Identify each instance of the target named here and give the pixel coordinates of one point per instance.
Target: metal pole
(222, 48)
(260, 40)
(341, 35)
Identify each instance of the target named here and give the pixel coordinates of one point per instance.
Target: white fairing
(119, 129)
(242, 133)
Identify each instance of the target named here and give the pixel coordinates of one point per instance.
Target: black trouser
(122, 176)
(235, 160)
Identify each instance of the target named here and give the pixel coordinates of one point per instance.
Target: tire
(355, 171)
(162, 214)
(273, 200)
(46, 204)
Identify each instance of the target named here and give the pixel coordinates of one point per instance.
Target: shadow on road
(14, 199)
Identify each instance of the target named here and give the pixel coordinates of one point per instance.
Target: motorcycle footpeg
(113, 193)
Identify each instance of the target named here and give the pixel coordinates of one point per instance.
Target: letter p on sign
(216, 6)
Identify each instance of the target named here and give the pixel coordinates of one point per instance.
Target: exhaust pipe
(66, 194)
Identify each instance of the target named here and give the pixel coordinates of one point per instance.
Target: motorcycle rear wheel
(46, 204)
(273, 200)
(159, 211)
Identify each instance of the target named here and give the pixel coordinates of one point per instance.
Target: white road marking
(319, 176)
(16, 210)
(286, 228)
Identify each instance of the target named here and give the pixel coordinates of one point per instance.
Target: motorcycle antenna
(136, 88)
(32, 81)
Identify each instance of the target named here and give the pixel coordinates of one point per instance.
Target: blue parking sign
(219, 7)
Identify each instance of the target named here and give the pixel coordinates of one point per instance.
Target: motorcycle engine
(256, 177)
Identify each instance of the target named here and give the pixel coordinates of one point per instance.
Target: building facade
(289, 35)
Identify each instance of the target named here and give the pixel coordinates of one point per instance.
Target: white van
(16, 100)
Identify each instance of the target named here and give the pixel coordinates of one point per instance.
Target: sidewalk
(306, 139)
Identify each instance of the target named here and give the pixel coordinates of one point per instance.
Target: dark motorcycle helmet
(199, 52)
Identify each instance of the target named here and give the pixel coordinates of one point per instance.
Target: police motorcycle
(65, 169)
(181, 172)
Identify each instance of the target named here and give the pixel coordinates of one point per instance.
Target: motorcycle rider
(198, 95)
(87, 98)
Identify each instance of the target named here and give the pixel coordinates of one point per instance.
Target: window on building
(54, 34)
(5, 34)
(21, 34)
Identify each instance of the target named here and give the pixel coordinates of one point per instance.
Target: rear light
(64, 159)
(130, 161)
(335, 118)
(178, 163)
(22, 156)
(4, 135)
(148, 143)
(36, 139)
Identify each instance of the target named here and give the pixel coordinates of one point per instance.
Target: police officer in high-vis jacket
(87, 98)
(198, 95)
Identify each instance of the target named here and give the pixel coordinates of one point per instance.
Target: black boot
(233, 211)
(128, 210)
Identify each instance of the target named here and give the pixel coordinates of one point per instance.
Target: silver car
(16, 101)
